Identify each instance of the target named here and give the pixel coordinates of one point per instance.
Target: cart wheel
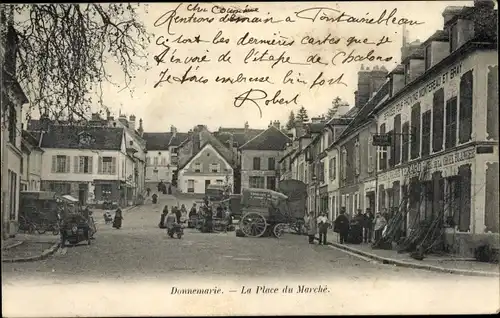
(279, 230)
(253, 224)
(55, 231)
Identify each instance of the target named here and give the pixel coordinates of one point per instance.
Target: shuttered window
(107, 165)
(426, 133)
(405, 142)
(466, 104)
(451, 123)
(382, 151)
(397, 139)
(60, 164)
(438, 120)
(415, 127)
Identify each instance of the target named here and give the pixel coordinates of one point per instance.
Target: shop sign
(415, 168)
(429, 87)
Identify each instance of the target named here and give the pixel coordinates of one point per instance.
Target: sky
(213, 104)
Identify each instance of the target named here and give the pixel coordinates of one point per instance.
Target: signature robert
(254, 95)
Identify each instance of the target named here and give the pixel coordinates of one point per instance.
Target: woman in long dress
(311, 227)
(117, 222)
(170, 222)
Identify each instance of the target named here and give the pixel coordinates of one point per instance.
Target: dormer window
(428, 56)
(85, 139)
(453, 37)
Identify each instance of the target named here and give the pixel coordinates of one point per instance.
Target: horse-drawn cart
(265, 212)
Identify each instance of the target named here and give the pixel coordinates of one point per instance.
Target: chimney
(131, 122)
(246, 126)
(317, 120)
(44, 122)
(369, 81)
(108, 114)
(300, 129)
(140, 130)
(276, 124)
(123, 119)
(173, 130)
(449, 12)
(341, 110)
(270, 124)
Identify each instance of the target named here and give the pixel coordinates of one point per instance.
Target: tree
(302, 115)
(65, 53)
(336, 103)
(291, 121)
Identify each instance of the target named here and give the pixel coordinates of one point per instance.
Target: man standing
(323, 224)
(368, 226)
(341, 226)
(311, 227)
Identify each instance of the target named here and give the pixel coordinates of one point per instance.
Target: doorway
(82, 193)
(207, 183)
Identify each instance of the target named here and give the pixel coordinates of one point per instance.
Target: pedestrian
(356, 228)
(170, 222)
(379, 225)
(148, 191)
(117, 222)
(192, 212)
(368, 226)
(323, 225)
(178, 214)
(227, 219)
(311, 227)
(184, 214)
(341, 226)
(163, 216)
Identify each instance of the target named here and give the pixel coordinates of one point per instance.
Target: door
(207, 183)
(82, 193)
(271, 183)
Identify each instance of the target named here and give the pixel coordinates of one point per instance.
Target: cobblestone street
(141, 252)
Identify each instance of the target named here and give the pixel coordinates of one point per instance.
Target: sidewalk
(446, 264)
(29, 247)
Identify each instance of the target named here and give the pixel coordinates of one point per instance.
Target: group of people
(173, 219)
(364, 227)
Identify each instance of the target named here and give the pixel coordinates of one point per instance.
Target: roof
(157, 141)
(177, 139)
(32, 138)
(286, 155)
(240, 135)
(102, 138)
(439, 36)
(315, 128)
(399, 69)
(270, 139)
(201, 149)
(339, 121)
(365, 111)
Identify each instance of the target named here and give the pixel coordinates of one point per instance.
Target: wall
(206, 156)
(47, 174)
(247, 165)
(164, 171)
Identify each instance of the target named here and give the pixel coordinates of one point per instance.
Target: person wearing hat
(311, 227)
(323, 225)
(341, 226)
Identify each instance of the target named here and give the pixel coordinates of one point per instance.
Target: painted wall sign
(431, 86)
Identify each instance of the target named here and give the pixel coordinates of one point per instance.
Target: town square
(159, 157)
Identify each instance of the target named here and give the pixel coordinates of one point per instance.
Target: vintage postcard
(250, 158)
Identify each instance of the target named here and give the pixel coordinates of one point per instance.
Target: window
(453, 200)
(60, 164)
(62, 188)
(219, 182)
(123, 169)
(148, 161)
(428, 57)
(190, 187)
(256, 163)
(438, 120)
(415, 127)
(107, 165)
(83, 164)
(271, 164)
(466, 104)
(214, 167)
(334, 168)
(321, 170)
(271, 183)
(197, 167)
(390, 161)
(330, 169)
(382, 151)
(406, 142)
(426, 133)
(344, 163)
(256, 182)
(397, 140)
(453, 37)
(451, 123)
(163, 161)
(155, 161)
(12, 124)
(357, 159)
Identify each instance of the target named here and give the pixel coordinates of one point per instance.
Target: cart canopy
(69, 198)
(264, 198)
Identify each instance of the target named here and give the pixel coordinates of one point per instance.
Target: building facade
(206, 167)
(260, 157)
(444, 151)
(13, 99)
(32, 163)
(91, 164)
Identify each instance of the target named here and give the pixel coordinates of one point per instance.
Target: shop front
(452, 189)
